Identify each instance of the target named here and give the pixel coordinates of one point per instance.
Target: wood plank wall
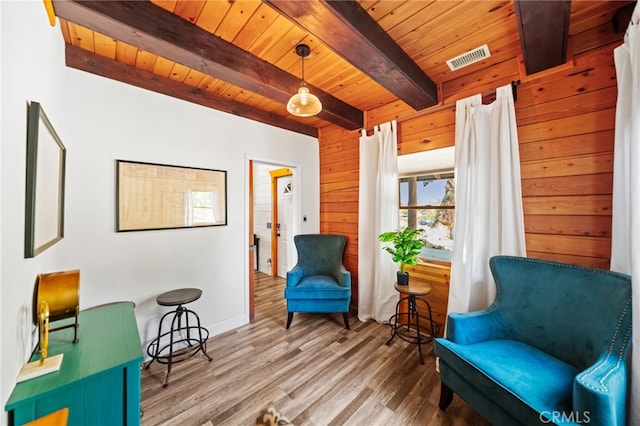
(339, 162)
(565, 119)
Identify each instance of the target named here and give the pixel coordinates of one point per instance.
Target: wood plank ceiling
(239, 56)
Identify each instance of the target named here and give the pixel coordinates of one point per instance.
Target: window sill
(436, 263)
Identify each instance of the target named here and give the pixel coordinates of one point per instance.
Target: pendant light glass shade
(303, 103)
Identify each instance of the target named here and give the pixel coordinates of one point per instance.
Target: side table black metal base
(405, 332)
(179, 342)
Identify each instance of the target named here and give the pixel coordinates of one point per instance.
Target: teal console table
(99, 379)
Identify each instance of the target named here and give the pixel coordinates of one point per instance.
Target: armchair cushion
(552, 347)
(514, 372)
(317, 287)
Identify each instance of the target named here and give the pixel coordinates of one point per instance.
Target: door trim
(252, 248)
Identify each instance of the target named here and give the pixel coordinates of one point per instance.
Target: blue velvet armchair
(319, 282)
(551, 349)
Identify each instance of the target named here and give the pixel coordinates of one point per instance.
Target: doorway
(273, 208)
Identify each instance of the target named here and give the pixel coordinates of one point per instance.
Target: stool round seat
(179, 296)
(418, 288)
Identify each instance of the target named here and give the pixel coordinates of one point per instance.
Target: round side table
(414, 335)
(179, 342)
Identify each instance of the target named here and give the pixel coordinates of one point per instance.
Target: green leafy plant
(406, 246)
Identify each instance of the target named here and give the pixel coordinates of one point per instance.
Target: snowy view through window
(427, 202)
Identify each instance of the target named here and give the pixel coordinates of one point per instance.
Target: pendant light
(303, 103)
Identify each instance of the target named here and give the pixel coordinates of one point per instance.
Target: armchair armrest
(475, 327)
(343, 277)
(294, 276)
(600, 391)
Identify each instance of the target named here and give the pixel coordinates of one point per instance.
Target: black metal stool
(164, 352)
(410, 291)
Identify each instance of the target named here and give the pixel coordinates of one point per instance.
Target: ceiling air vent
(469, 58)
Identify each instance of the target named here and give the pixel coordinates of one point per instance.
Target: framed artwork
(44, 200)
(158, 196)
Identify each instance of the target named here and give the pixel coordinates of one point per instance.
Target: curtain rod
(514, 90)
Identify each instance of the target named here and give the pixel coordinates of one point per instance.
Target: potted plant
(405, 248)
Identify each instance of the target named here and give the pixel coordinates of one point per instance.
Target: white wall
(262, 213)
(32, 69)
(262, 208)
(1, 186)
(99, 121)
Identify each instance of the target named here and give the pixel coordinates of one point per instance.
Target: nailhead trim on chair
(566, 265)
(610, 352)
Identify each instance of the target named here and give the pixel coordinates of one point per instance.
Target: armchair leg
(345, 316)
(289, 319)
(446, 396)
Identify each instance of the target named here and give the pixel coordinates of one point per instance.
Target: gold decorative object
(45, 364)
(43, 326)
(60, 291)
(51, 14)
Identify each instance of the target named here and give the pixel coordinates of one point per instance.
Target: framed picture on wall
(44, 194)
(159, 196)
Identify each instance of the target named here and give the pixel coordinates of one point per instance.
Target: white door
(285, 239)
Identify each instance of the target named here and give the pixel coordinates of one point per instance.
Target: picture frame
(152, 196)
(45, 183)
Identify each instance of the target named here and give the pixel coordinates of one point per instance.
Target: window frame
(451, 172)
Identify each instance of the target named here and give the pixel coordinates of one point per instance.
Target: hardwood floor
(315, 373)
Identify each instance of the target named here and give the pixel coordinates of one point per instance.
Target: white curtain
(625, 238)
(488, 219)
(378, 213)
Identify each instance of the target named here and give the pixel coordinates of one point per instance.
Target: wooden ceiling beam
(352, 33)
(544, 32)
(84, 60)
(151, 28)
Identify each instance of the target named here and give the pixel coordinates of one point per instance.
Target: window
(427, 202)
(201, 207)
(288, 188)
(427, 199)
